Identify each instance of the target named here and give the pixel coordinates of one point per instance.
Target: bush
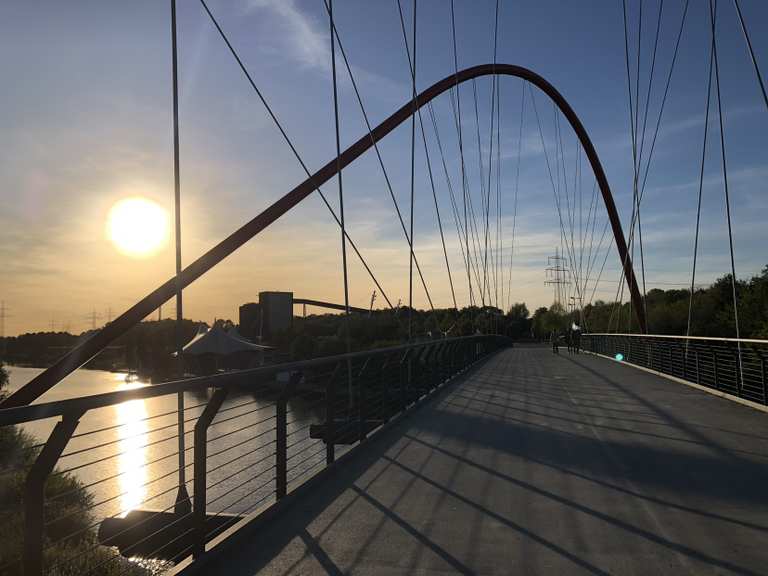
(67, 505)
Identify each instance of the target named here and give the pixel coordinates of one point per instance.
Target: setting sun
(138, 227)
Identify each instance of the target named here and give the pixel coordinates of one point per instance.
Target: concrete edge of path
(233, 536)
(718, 393)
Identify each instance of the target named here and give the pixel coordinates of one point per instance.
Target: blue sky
(86, 118)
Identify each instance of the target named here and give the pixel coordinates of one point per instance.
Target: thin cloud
(304, 40)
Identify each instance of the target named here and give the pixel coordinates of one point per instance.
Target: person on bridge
(574, 338)
(576, 341)
(553, 339)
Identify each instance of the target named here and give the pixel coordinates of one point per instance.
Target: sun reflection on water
(132, 433)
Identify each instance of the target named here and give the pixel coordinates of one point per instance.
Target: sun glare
(138, 227)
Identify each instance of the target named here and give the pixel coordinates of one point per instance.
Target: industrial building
(271, 315)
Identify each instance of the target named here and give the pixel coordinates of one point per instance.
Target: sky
(85, 114)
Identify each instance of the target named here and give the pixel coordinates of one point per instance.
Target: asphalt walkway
(538, 464)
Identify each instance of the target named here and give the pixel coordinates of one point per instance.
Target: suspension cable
(659, 118)
(701, 187)
(633, 135)
(288, 141)
(178, 335)
(650, 82)
(437, 210)
(484, 201)
(712, 9)
(499, 213)
(378, 152)
(476, 244)
(751, 52)
(664, 97)
(341, 192)
(490, 142)
(412, 71)
(549, 169)
(461, 153)
(454, 205)
(517, 185)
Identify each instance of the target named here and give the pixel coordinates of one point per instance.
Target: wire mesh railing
(729, 365)
(103, 495)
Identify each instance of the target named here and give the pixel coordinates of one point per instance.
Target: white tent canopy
(220, 343)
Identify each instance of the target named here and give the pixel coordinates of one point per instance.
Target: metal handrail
(44, 410)
(676, 337)
(733, 366)
(384, 383)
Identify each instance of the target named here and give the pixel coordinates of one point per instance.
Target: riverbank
(70, 546)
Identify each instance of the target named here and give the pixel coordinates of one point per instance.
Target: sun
(138, 227)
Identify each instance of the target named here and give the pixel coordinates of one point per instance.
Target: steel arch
(89, 348)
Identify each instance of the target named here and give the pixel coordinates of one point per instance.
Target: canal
(127, 455)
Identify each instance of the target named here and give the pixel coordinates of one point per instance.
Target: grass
(70, 544)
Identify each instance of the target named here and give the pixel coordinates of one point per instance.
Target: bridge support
(34, 492)
(92, 346)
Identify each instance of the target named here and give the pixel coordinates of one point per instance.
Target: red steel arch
(88, 349)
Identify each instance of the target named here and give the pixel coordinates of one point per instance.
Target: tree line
(148, 346)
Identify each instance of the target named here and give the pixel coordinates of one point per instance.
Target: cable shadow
(601, 426)
(695, 554)
(599, 482)
(684, 389)
(662, 413)
(731, 479)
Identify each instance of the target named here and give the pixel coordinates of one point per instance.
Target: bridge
(531, 463)
(456, 450)
(464, 455)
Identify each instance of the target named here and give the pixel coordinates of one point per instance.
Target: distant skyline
(85, 114)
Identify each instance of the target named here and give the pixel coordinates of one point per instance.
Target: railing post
(670, 369)
(330, 416)
(449, 350)
(440, 370)
(362, 411)
(383, 383)
(714, 367)
(200, 468)
(762, 377)
(698, 373)
(405, 376)
(281, 447)
(429, 366)
(281, 436)
(34, 492)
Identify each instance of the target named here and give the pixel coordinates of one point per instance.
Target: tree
(517, 320)
(3, 380)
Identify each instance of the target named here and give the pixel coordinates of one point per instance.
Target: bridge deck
(538, 464)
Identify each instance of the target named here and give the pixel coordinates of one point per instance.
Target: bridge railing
(253, 436)
(729, 365)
